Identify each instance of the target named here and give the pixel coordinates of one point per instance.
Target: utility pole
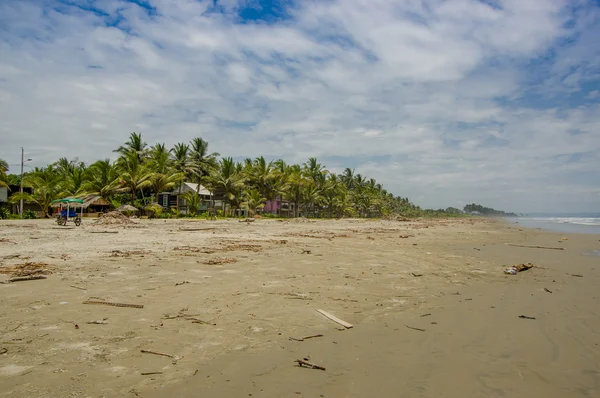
(22, 164)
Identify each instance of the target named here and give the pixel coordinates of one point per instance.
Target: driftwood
(416, 275)
(173, 357)
(77, 287)
(413, 328)
(536, 247)
(577, 275)
(27, 278)
(151, 373)
(306, 338)
(113, 304)
(526, 317)
(335, 319)
(96, 323)
(248, 220)
(104, 232)
(547, 290)
(302, 362)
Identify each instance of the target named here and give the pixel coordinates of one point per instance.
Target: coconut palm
(46, 186)
(254, 200)
(228, 179)
(133, 175)
(134, 145)
(181, 163)
(73, 174)
(101, 179)
(162, 174)
(193, 202)
(202, 163)
(314, 170)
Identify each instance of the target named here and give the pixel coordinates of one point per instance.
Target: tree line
(486, 211)
(141, 172)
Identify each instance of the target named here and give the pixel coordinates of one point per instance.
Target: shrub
(4, 213)
(29, 215)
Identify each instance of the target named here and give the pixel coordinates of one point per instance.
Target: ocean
(579, 225)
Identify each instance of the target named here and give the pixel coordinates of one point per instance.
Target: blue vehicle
(67, 211)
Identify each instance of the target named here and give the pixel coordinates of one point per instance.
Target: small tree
(254, 200)
(193, 201)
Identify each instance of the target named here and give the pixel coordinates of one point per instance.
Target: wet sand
(445, 278)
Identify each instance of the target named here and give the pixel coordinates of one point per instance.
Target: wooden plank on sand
(537, 247)
(335, 319)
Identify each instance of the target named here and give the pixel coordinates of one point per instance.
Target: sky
(446, 102)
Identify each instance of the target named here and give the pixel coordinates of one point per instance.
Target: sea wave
(568, 220)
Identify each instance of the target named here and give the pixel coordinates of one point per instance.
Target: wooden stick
(547, 290)
(104, 232)
(302, 362)
(416, 275)
(312, 336)
(536, 247)
(335, 319)
(158, 353)
(151, 373)
(419, 329)
(77, 287)
(113, 304)
(306, 338)
(196, 320)
(425, 315)
(27, 278)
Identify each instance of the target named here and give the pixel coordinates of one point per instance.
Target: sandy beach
(432, 311)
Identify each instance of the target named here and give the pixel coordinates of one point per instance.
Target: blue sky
(444, 101)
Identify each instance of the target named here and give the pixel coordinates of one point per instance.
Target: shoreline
(363, 272)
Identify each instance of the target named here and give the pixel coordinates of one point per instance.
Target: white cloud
(445, 102)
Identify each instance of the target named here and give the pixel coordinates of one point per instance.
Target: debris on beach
(305, 362)
(536, 246)
(518, 268)
(6, 240)
(306, 337)
(114, 218)
(526, 317)
(113, 304)
(26, 269)
(220, 261)
(335, 319)
(394, 217)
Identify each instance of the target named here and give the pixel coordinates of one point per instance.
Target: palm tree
(101, 179)
(181, 163)
(261, 175)
(135, 145)
(193, 202)
(163, 176)
(293, 187)
(311, 195)
(314, 170)
(254, 200)
(73, 173)
(46, 186)
(228, 179)
(133, 174)
(201, 161)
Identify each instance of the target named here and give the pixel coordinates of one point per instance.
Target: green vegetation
(141, 172)
(486, 211)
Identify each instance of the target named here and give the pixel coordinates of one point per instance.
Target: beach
(226, 305)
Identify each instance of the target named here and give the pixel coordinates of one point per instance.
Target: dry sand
(257, 284)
